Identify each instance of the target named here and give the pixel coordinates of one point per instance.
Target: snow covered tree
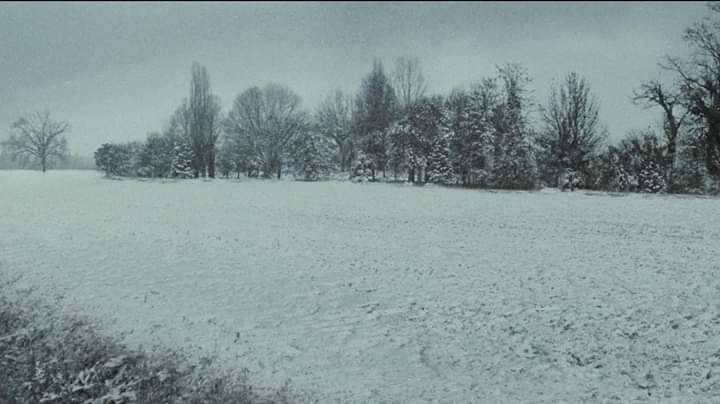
(263, 122)
(156, 156)
(375, 147)
(439, 166)
(514, 165)
(572, 133)
(114, 159)
(334, 120)
(204, 122)
(362, 168)
(636, 164)
(105, 159)
(611, 173)
(312, 155)
(479, 146)
(376, 108)
(699, 78)
(690, 171)
(225, 159)
(182, 166)
(400, 137)
(651, 178)
(675, 116)
(425, 122)
(457, 105)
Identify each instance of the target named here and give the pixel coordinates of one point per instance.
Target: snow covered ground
(388, 293)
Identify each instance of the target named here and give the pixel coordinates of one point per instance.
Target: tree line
(490, 134)
(482, 136)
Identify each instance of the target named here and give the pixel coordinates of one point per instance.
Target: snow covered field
(388, 293)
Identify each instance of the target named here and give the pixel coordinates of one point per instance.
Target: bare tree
(204, 128)
(265, 121)
(39, 138)
(408, 81)
(653, 93)
(699, 78)
(334, 119)
(178, 127)
(572, 127)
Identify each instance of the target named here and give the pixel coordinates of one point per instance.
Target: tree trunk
(712, 147)
(211, 164)
(279, 171)
(411, 174)
(43, 163)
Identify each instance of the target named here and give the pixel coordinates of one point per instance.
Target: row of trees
(491, 134)
(483, 136)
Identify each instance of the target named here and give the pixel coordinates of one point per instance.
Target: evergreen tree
(651, 178)
(398, 158)
(439, 165)
(514, 165)
(114, 159)
(362, 168)
(690, 173)
(182, 166)
(457, 106)
(312, 155)
(376, 107)
(226, 159)
(156, 156)
(479, 149)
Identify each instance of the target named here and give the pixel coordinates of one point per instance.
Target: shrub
(49, 358)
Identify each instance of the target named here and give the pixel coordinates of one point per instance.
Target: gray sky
(117, 70)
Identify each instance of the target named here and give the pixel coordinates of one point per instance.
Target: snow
(376, 292)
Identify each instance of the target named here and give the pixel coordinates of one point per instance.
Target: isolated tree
(375, 110)
(38, 138)
(408, 81)
(654, 94)
(572, 132)
(264, 122)
(334, 120)
(203, 122)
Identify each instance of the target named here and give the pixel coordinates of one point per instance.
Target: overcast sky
(116, 71)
